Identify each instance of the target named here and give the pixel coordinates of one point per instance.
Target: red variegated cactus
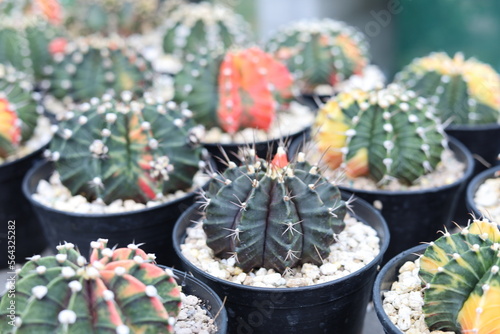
(118, 291)
(10, 128)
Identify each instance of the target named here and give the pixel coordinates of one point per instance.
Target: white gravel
(193, 318)
(357, 246)
(371, 78)
(487, 199)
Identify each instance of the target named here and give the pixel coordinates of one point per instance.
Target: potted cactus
(116, 290)
(241, 98)
(453, 284)
(483, 194)
(387, 143)
(23, 137)
(278, 220)
(124, 168)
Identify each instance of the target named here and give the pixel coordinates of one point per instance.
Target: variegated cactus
(248, 85)
(127, 149)
(320, 52)
(117, 291)
(10, 129)
(461, 273)
(385, 134)
(463, 91)
(272, 214)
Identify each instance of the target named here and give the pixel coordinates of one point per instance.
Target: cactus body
(320, 52)
(388, 133)
(118, 291)
(10, 129)
(463, 281)
(127, 150)
(91, 67)
(49, 10)
(273, 215)
(194, 28)
(463, 91)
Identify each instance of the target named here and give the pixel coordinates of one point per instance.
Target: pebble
(193, 317)
(487, 199)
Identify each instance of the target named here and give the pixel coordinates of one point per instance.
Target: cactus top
(465, 91)
(272, 214)
(116, 291)
(320, 51)
(461, 273)
(387, 133)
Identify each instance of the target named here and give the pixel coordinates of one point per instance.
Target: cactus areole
(462, 276)
(275, 214)
(118, 291)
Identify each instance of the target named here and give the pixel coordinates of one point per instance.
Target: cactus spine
(127, 149)
(388, 133)
(118, 291)
(272, 214)
(320, 52)
(463, 91)
(461, 272)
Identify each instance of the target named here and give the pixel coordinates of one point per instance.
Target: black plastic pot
(334, 307)
(16, 211)
(474, 185)
(152, 226)
(211, 302)
(388, 275)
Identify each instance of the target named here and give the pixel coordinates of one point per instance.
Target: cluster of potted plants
(174, 133)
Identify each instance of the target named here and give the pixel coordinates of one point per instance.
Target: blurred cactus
(461, 273)
(49, 10)
(127, 149)
(118, 291)
(463, 91)
(386, 134)
(272, 214)
(320, 52)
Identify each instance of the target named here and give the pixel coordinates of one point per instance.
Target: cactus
(118, 291)
(19, 109)
(49, 10)
(248, 85)
(320, 52)
(94, 66)
(463, 91)
(274, 214)
(127, 149)
(194, 28)
(461, 273)
(386, 134)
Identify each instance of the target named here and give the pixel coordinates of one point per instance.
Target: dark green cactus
(273, 214)
(463, 91)
(194, 28)
(118, 291)
(386, 134)
(462, 280)
(320, 52)
(127, 150)
(93, 66)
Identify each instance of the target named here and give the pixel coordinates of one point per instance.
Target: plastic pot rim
(383, 248)
(28, 194)
(474, 185)
(472, 127)
(11, 163)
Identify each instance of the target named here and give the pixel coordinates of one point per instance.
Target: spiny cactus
(387, 133)
(250, 87)
(320, 52)
(127, 149)
(272, 214)
(118, 291)
(463, 91)
(94, 66)
(193, 28)
(461, 272)
(25, 44)
(19, 109)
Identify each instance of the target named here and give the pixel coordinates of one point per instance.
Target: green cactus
(19, 109)
(127, 149)
(272, 214)
(194, 28)
(463, 91)
(462, 280)
(320, 52)
(118, 291)
(386, 134)
(94, 66)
